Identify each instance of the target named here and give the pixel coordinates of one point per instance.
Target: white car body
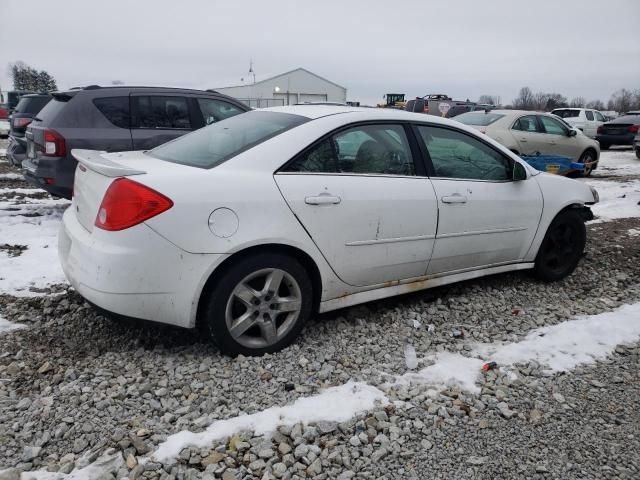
(367, 236)
(586, 120)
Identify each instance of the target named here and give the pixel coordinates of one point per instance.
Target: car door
(485, 217)
(529, 135)
(590, 126)
(600, 119)
(160, 117)
(557, 138)
(366, 202)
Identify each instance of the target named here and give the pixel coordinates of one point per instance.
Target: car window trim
(429, 162)
(417, 164)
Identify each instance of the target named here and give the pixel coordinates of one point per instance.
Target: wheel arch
(304, 258)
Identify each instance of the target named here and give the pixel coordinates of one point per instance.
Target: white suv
(584, 119)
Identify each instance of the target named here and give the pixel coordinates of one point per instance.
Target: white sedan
(527, 133)
(251, 225)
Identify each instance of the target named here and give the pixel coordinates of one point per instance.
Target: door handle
(455, 198)
(523, 139)
(322, 199)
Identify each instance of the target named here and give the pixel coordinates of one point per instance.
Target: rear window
(31, 105)
(52, 109)
(116, 109)
(481, 119)
(212, 145)
(635, 119)
(566, 113)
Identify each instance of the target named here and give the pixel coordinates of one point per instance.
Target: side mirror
(519, 172)
(572, 133)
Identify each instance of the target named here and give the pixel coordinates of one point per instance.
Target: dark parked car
(22, 116)
(14, 96)
(113, 119)
(620, 131)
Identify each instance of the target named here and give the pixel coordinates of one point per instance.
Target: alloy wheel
(263, 307)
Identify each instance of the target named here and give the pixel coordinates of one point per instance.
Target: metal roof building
(296, 86)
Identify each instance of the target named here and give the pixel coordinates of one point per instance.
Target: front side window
(366, 149)
(458, 155)
(552, 126)
(589, 114)
(220, 141)
(528, 123)
(116, 109)
(600, 117)
(215, 110)
(162, 112)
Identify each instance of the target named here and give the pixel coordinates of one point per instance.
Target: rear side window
(589, 115)
(528, 123)
(366, 149)
(215, 110)
(481, 119)
(162, 112)
(116, 109)
(600, 117)
(31, 105)
(220, 141)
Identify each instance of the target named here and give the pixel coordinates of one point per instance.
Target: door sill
(391, 289)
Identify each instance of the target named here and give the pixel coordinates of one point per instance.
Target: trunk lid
(95, 172)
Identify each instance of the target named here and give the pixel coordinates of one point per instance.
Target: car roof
(317, 111)
(138, 87)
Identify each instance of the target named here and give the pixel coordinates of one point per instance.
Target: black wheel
(259, 305)
(562, 247)
(638, 153)
(588, 159)
(604, 146)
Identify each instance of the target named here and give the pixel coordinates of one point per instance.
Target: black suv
(27, 108)
(113, 119)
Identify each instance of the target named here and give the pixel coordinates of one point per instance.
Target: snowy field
(190, 413)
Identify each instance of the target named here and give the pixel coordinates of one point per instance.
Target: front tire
(588, 159)
(259, 305)
(562, 247)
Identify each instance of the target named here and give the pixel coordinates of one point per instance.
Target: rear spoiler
(96, 161)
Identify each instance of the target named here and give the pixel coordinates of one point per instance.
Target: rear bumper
(135, 272)
(626, 139)
(50, 175)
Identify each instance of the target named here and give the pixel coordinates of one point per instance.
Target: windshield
(566, 113)
(479, 118)
(212, 145)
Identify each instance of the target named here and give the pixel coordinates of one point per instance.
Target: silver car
(527, 133)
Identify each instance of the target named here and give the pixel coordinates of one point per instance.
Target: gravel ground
(74, 384)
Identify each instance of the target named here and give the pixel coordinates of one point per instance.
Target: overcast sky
(464, 48)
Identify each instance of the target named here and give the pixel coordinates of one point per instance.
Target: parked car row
(22, 115)
(527, 133)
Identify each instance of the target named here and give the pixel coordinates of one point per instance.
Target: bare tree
(622, 100)
(596, 105)
(578, 102)
(540, 100)
(489, 99)
(524, 100)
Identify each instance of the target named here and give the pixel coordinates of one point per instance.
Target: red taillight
(4, 114)
(21, 122)
(128, 203)
(600, 130)
(426, 108)
(54, 144)
(634, 128)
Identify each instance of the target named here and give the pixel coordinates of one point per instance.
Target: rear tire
(562, 247)
(259, 305)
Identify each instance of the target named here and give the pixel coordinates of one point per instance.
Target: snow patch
(617, 163)
(336, 404)
(11, 176)
(110, 461)
(7, 326)
(633, 232)
(617, 199)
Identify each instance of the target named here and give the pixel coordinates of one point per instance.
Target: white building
(288, 88)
